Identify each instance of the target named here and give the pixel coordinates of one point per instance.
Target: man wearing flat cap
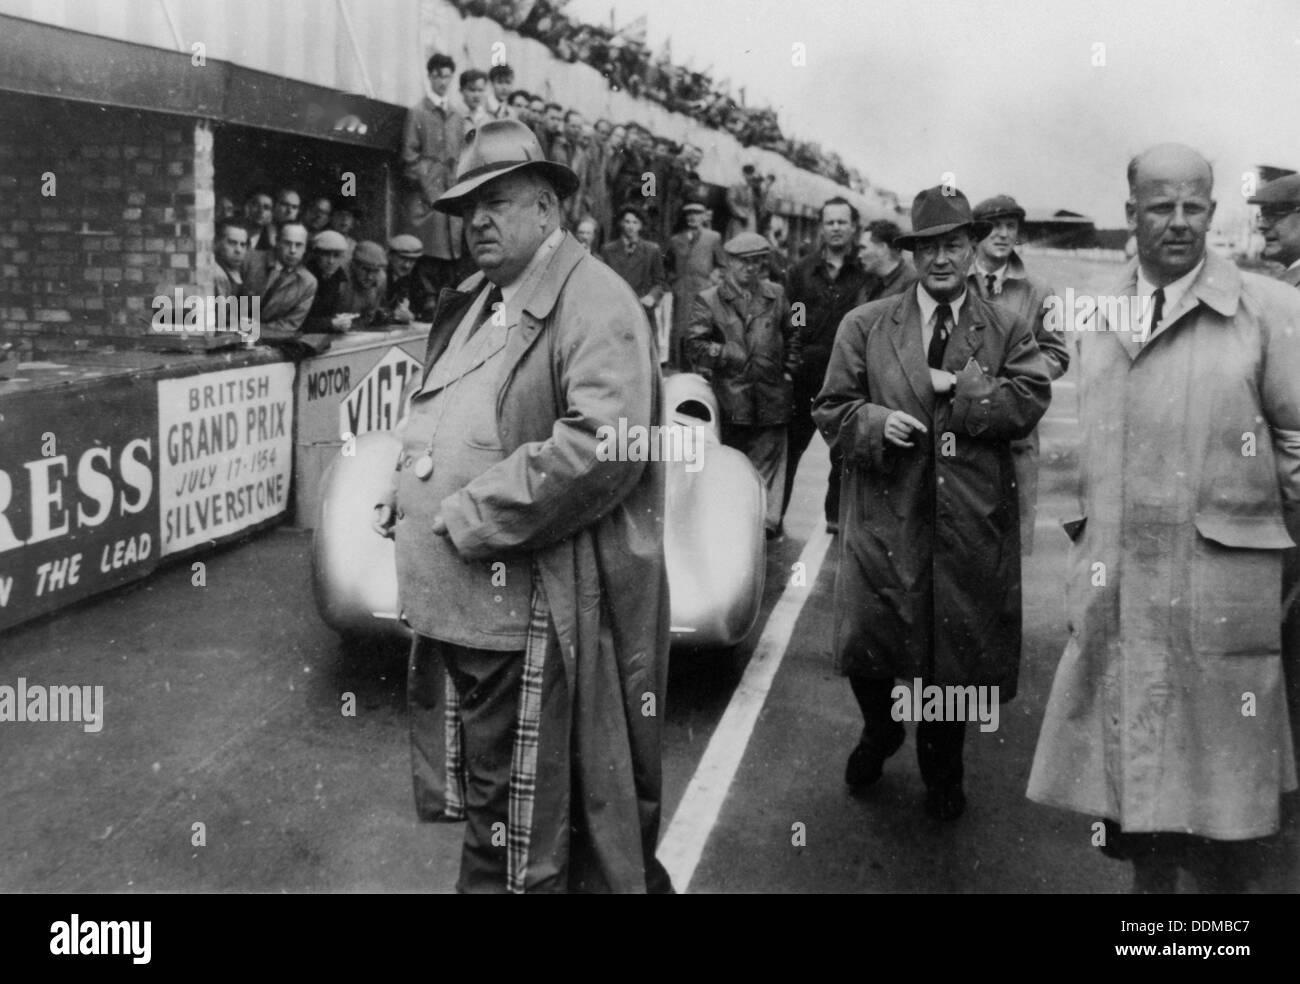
(999, 275)
(366, 282)
(530, 551)
(410, 293)
(741, 336)
(694, 260)
(1279, 221)
(331, 307)
(923, 396)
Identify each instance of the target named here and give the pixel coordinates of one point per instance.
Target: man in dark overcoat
(924, 394)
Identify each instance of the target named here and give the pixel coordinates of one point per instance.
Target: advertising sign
(225, 444)
(78, 495)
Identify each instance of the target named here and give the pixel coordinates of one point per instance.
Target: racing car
(713, 532)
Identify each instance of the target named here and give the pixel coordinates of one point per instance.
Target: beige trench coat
(581, 357)
(1167, 710)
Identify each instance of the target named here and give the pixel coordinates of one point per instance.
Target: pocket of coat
(1237, 586)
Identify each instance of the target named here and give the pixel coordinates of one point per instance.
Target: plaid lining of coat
(523, 760)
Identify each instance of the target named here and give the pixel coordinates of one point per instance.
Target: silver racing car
(713, 540)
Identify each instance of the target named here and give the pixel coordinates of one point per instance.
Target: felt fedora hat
(499, 147)
(937, 211)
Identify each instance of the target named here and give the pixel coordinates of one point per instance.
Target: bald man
(1167, 716)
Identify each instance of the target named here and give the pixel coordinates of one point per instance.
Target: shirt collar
(529, 273)
(433, 97)
(999, 275)
(1294, 266)
(929, 304)
(1173, 291)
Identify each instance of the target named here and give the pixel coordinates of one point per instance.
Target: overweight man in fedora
(924, 393)
(530, 558)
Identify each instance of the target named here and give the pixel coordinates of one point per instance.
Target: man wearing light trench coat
(1167, 715)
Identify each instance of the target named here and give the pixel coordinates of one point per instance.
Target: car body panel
(713, 544)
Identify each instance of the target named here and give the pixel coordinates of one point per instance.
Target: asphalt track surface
(224, 707)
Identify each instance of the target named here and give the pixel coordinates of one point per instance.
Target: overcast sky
(1004, 93)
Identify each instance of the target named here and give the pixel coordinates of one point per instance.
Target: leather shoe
(945, 802)
(867, 761)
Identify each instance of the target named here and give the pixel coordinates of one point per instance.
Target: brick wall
(131, 214)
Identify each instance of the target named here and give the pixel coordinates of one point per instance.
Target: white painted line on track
(697, 813)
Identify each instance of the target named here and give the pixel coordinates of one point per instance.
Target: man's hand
(342, 322)
(439, 525)
(648, 301)
(943, 382)
(385, 520)
(900, 426)
(402, 312)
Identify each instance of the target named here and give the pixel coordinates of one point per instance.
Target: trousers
(488, 684)
(800, 433)
(938, 743)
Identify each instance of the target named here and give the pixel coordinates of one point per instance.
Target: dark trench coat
(928, 583)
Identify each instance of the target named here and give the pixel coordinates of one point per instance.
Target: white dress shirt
(1143, 330)
(999, 277)
(928, 308)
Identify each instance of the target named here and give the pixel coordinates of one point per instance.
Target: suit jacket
(223, 286)
(575, 158)
(285, 308)
(431, 143)
(689, 267)
(623, 170)
(740, 202)
(643, 269)
(263, 240)
(752, 355)
(339, 295)
(896, 281)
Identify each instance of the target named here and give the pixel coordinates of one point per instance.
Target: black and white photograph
(650, 447)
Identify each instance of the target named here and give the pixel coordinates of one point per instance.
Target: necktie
(939, 340)
(1157, 310)
(489, 308)
(992, 280)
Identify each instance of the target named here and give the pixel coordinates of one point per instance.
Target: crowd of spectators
(628, 65)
